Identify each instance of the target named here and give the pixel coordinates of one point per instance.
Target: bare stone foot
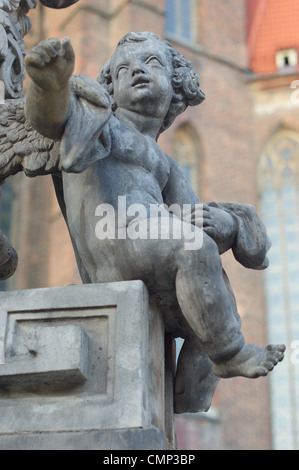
(251, 362)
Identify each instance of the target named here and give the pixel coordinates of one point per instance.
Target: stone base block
(83, 367)
(114, 439)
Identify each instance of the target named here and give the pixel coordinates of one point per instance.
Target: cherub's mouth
(140, 81)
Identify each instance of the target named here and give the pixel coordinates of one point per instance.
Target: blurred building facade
(241, 144)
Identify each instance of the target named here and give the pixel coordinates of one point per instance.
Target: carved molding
(14, 25)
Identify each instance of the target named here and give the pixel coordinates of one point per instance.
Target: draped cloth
(86, 139)
(251, 243)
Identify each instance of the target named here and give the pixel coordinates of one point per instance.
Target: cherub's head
(185, 80)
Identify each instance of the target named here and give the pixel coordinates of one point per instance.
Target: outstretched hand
(50, 64)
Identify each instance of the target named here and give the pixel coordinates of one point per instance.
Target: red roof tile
(273, 25)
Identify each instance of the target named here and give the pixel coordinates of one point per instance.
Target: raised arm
(50, 66)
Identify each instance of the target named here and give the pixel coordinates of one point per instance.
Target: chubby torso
(136, 170)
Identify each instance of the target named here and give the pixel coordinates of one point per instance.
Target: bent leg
(203, 293)
(208, 304)
(197, 278)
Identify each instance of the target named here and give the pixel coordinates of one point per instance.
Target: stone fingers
(67, 50)
(47, 50)
(43, 53)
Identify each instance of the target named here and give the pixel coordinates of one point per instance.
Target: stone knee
(206, 258)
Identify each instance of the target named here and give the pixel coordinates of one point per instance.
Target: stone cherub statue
(100, 144)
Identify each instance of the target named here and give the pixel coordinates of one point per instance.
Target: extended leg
(195, 381)
(209, 307)
(204, 295)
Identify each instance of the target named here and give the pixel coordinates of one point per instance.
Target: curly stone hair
(186, 90)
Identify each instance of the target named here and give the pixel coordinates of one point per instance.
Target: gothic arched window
(278, 182)
(187, 152)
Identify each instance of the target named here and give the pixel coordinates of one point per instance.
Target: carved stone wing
(21, 147)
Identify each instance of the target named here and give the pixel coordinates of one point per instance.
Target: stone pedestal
(84, 367)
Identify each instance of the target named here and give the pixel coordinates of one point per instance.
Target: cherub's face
(142, 77)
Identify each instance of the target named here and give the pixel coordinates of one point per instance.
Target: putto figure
(101, 140)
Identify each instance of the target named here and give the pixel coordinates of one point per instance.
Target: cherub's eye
(122, 69)
(154, 60)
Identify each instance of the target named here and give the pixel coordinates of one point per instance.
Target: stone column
(84, 367)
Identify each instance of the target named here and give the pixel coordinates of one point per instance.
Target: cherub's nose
(138, 68)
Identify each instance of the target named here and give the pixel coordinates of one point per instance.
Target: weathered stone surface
(80, 358)
(43, 354)
(119, 439)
